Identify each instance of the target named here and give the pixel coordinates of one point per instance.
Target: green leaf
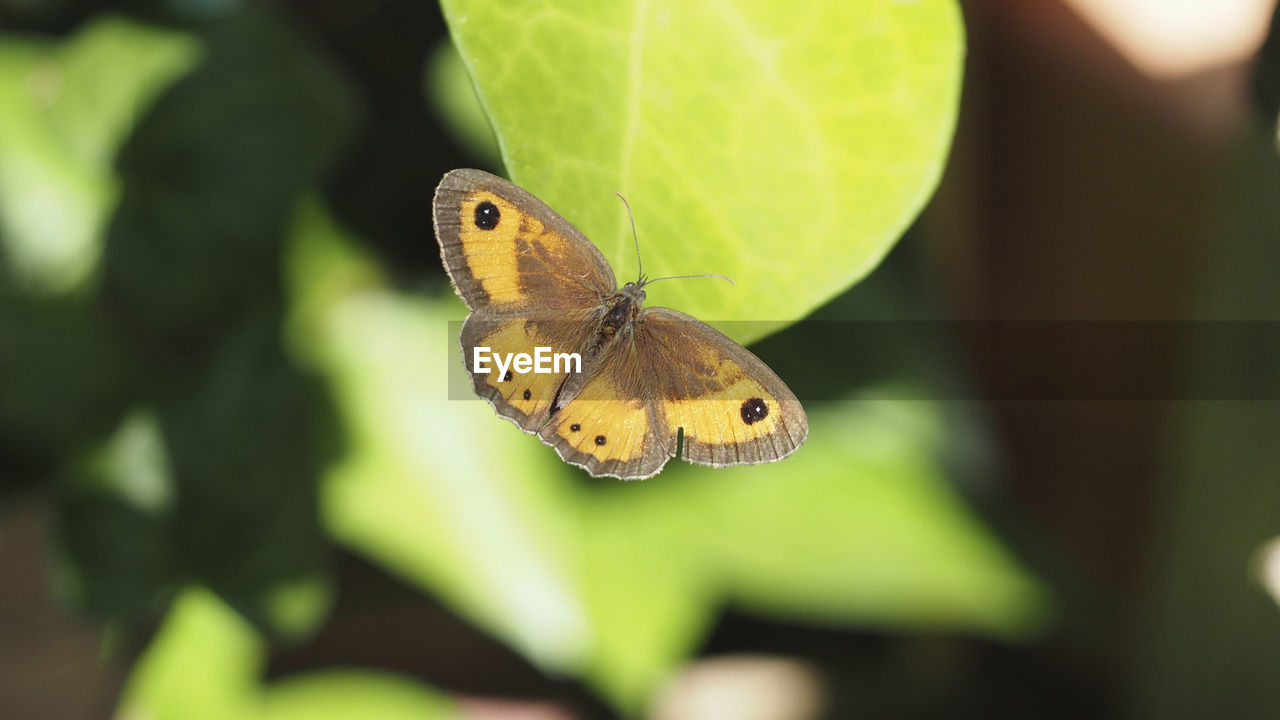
(435, 489)
(866, 532)
(213, 172)
(858, 529)
(206, 662)
(647, 587)
(785, 146)
(202, 664)
(65, 110)
(133, 464)
(114, 558)
(355, 694)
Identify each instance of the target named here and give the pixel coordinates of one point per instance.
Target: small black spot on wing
(600, 440)
(507, 377)
(487, 215)
(754, 410)
(527, 394)
(575, 427)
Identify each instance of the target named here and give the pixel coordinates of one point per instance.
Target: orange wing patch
(490, 253)
(602, 430)
(738, 422)
(518, 252)
(739, 411)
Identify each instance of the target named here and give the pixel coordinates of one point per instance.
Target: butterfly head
(635, 290)
(632, 295)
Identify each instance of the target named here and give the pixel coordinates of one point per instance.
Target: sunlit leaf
(650, 596)
(133, 464)
(858, 529)
(355, 694)
(785, 146)
(202, 665)
(861, 527)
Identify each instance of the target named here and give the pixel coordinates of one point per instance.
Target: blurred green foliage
(224, 381)
(619, 582)
(203, 665)
(167, 345)
(67, 109)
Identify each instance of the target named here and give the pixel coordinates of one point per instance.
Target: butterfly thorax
(622, 308)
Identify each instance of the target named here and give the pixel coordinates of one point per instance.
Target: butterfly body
(649, 376)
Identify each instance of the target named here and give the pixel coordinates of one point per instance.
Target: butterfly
(650, 381)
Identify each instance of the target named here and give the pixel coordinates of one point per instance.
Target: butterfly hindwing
(608, 427)
(732, 408)
(507, 252)
(525, 398)
(675, 374)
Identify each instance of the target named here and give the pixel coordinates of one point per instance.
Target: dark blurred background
(1114, 161)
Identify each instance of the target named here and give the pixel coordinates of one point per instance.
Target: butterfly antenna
(634, 236)
(640, 265)
(686, 277)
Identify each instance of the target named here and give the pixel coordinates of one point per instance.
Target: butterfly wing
(531, 278)
(507, 252)
(524, 398)
(733, 409)
(610, 427)
(673, 373)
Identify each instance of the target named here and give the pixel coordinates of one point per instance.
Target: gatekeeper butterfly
(649, 379)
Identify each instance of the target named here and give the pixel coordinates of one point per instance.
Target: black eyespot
(487, 215)
(600, 440)
(507, 377)
(527, 394)
(575, 427)
(754, 410)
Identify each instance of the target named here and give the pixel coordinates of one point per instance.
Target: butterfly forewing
(507, 252)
